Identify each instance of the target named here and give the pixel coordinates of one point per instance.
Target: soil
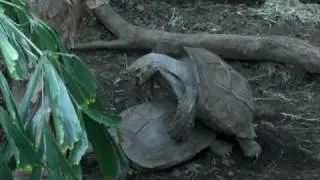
(286, 97)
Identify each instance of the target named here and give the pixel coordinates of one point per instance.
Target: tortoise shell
(147, 143)
(225, 101)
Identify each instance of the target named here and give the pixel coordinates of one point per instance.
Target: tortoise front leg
(250, 147)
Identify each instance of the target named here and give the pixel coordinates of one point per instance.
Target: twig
(281, 96)
(299, 117)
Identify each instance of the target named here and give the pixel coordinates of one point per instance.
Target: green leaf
(9, 8)
(1, 9)
(110, 121)
(4, 170)
(8, 152)
(24, 107)
(34, 127)
(57, 165)
(96, 113)
(110, 161)
(41, 34)
(8, 51)
(5, 152)
(79, 80)
(26, 154)
(11, 43)
(45, 142)
(79, 149)
(30, 56)
(22, 15)
(67, 124)
(5, 2)
(8, 98)
(10, 55)
(35, 174)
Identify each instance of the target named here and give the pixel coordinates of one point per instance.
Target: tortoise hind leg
(250, 147)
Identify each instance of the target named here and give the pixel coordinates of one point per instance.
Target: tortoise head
(141, 70)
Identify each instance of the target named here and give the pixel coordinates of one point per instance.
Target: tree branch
(278, 49)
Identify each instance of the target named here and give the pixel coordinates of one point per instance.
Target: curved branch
(279, 49)
(114, 44)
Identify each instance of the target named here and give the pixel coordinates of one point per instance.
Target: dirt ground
(286, 97)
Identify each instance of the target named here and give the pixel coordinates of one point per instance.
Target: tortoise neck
(163, 61)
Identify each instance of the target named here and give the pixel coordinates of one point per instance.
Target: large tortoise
(148, 145)
(224, 100)
(176, 76)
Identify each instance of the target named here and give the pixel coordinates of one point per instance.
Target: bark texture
(280, 49)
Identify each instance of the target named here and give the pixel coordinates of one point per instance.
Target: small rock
(220, 177)
(116, 81)
(269, 124)
(230, 173)
(227, 162)
(195, 167)
(140, 8)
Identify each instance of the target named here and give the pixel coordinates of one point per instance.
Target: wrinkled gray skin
(147, 143)
(173, 76)
(225, 101)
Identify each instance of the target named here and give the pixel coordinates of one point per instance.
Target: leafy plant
(49, 129)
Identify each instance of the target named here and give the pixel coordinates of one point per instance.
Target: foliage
(48, 130)
(290, 10)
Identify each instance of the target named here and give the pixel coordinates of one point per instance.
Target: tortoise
(224, 100)
(147, 143)
(174, 75)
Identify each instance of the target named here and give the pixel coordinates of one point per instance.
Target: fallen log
(280, 49)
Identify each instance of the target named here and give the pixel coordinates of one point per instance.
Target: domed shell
(225, 98)
(147, 143)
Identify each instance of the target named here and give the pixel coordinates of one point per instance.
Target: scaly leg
(250, 147)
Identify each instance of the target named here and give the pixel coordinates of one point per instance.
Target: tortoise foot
(250, 147)
(221, 148)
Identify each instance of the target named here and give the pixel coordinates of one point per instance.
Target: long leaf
(26, 155)
(34, 127)
(35, 174)
(57, 165)
(7, 49)
(41, 35)
(8, 98)
(98, 114)
(17, 65)
(45, 142)
(107, 156)
(67, 124)
(24, 107)
(79, 80)
(110, 121)
(4, 170)
(80, 148)
(22, 16)
(9, 53)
